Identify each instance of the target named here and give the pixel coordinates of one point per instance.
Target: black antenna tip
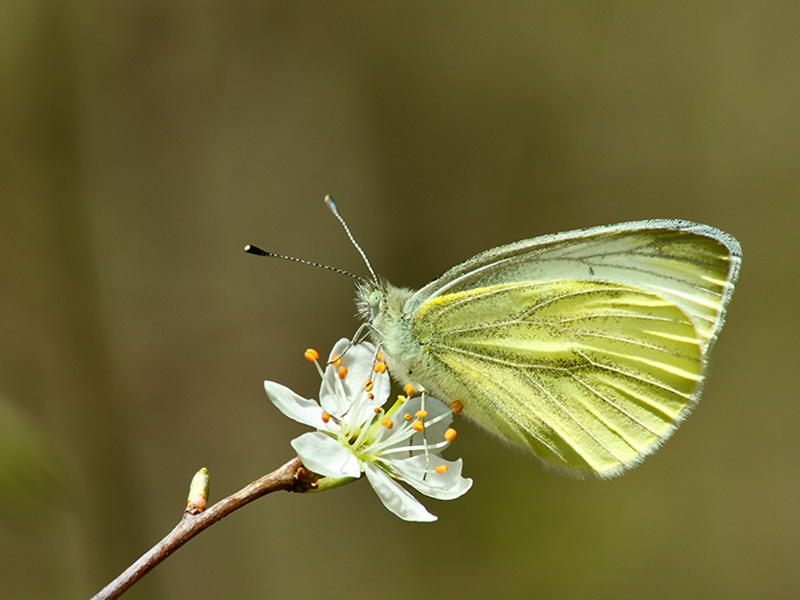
(250, 249)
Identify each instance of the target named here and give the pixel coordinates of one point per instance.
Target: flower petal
(359, 360)
(293, 406)
(330, 397)
(395, 498)
(422, 477)
(325, 456)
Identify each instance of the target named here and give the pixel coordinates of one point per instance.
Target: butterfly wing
(587, 347)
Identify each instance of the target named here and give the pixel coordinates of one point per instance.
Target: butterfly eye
(375, 300)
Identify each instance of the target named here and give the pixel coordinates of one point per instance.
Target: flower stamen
(457, 406)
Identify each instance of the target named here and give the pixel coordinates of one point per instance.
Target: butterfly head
(380, 306)
(371, 301)
(370, 297)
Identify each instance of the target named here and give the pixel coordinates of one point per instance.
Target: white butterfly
(587, 347)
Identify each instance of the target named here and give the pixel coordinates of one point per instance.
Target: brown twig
(291, 477)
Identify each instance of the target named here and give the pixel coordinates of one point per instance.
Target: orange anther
(325, 417)
(368, 386)
(342, 372)
(311, 355)
(457, 406)
(387, 422)
(450, 434)
(379, 356)
(417, 425)
(380, 367)
(441, 469)
(409, 389)
(336, 359)
(421, 414)
(407, 417)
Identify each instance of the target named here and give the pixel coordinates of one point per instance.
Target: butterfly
(588, 347)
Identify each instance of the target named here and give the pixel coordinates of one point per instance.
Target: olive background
(143, 143)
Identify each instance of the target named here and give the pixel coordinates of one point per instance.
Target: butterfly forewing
(587, 347)
(694, 266)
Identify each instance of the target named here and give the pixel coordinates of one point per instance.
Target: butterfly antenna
(250, 249)
(332, 206)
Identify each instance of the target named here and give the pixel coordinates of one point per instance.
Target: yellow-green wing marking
(586, 374)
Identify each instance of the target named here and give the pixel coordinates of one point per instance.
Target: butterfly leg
(359, 336)
(421, 415)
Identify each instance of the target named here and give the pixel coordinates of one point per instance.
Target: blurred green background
(144, 143)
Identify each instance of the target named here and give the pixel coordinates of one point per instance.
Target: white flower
(356, 433)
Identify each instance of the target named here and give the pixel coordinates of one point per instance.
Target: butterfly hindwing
(574, 370)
